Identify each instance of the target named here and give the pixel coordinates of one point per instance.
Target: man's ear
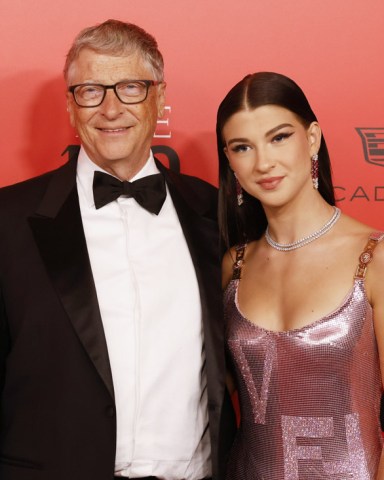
(161, 99)
(70, 109)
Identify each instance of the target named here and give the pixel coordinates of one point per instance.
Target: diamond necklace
(286, 247)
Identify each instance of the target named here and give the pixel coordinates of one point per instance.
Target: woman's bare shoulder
(355, 230)
(359, 233)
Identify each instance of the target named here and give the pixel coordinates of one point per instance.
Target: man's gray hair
(117, 38)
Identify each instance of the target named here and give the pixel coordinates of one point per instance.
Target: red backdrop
(332, 49)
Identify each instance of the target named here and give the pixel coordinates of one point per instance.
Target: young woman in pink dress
(304, 303)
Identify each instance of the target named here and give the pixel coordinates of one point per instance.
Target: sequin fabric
(309, 398)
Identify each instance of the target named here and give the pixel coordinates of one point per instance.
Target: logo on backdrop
(163, 131)
(373, 148)
(373, 144)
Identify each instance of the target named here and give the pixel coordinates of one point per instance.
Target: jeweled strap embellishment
(237, 266)
(367, 255)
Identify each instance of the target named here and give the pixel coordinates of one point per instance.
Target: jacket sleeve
(4, 340)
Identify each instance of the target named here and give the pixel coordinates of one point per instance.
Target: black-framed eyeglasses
(128, 91)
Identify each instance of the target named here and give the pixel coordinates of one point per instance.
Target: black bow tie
(149, 192)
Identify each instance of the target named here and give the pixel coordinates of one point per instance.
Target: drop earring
(315, 171)
(239, 192)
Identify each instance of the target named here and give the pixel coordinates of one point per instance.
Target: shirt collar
(86, 169)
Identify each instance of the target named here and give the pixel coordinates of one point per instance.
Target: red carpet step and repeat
(332, 49)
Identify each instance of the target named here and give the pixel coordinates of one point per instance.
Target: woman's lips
(270, 183)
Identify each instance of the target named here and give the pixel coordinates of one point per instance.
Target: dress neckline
(357, 284)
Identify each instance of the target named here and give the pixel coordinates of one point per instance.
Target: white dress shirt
(150, 306)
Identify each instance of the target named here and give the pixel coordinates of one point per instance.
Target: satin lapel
(202, 237)
(59, 235)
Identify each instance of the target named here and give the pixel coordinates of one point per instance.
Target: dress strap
(237, 266)
(367, 254)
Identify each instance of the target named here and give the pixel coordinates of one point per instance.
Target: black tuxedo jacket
(57, 411)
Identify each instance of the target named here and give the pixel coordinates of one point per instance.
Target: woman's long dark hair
(248, 222)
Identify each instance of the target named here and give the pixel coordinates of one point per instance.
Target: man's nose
(111, 105)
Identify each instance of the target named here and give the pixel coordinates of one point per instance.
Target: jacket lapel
(59, 235)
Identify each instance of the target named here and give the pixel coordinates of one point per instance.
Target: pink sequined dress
(309, 398)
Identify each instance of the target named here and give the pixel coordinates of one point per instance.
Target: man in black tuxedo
(111, 332)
